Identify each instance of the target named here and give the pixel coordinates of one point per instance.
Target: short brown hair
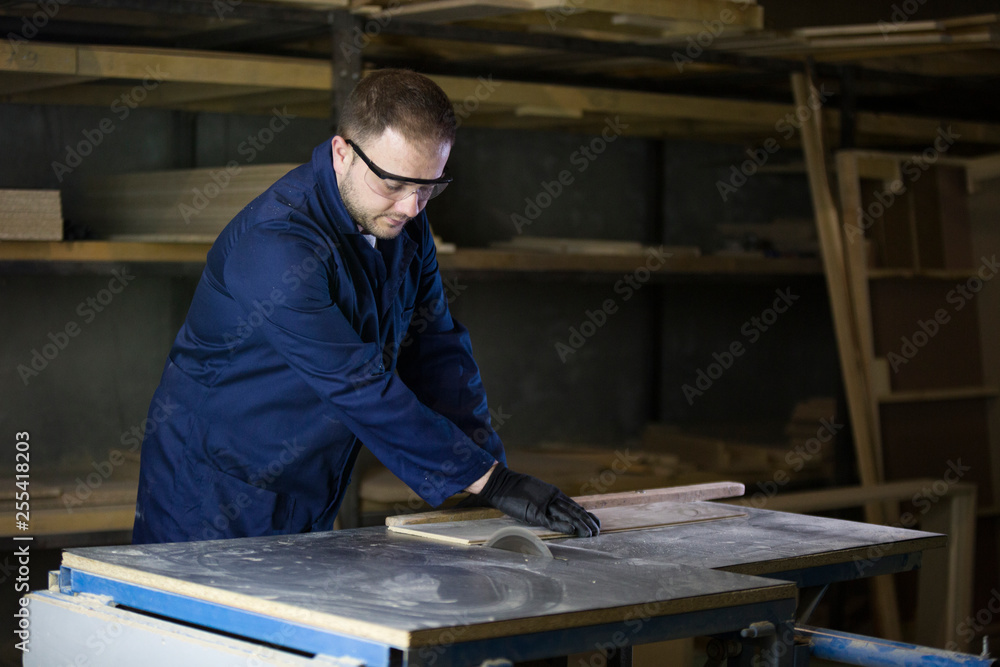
(406, 101)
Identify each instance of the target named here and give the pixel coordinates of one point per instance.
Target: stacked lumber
(589, 246)
(594, 19)
(897, 32)
(806, 455)
(31, 215)
(88, 503)
(183, 205)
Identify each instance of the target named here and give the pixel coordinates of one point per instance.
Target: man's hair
(409, 103)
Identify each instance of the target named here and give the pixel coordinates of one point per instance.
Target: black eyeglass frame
(386, 176)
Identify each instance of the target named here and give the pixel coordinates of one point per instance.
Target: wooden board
(613, 520)
(407, 592)
(677, 494)
(845, 310)
(30, 215)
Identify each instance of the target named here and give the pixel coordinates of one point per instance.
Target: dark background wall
(630, 371)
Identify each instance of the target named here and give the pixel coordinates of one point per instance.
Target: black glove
(537, 503)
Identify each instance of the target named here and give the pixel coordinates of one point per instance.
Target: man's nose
(411, 206)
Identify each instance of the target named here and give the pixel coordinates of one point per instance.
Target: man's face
(378, 215)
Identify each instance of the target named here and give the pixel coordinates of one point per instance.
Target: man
(302, 343)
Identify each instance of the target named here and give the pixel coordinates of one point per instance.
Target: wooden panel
(613, 520)
(408, 592)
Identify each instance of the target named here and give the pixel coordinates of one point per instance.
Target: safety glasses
(398, 188)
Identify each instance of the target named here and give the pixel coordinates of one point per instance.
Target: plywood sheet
(408, 592)
(31, 215)
(613, 520)
(181, 205)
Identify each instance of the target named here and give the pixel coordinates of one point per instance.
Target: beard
(380, 225)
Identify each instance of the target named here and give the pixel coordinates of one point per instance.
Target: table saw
(375, 596)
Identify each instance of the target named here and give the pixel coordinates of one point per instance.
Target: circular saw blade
(519, 540)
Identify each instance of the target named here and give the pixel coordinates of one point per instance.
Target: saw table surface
(810, 550)
(405, 591)
(382, 598)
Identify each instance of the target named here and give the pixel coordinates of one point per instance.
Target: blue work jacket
(301, 343)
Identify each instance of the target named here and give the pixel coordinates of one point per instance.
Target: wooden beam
(845, 325)
(157, 65)
(743, 13)
(450, 11)
(271, 72)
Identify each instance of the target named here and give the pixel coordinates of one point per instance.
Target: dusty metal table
(366, 596)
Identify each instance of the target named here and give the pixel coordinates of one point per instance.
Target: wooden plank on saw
(613, 520)
(677, 494)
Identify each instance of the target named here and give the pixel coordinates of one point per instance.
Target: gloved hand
(538, 503)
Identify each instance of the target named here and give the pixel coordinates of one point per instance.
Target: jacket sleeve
(435, 358)
(423, 448)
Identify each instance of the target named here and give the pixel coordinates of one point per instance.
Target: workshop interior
(726, 267)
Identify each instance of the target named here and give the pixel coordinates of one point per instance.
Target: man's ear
(342, 155)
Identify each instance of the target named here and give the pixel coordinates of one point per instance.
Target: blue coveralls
(302, 342)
